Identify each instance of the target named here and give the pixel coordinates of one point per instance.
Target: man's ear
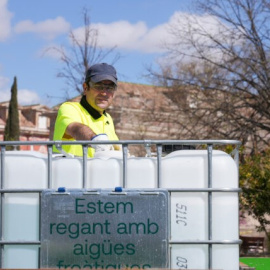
(85, 87)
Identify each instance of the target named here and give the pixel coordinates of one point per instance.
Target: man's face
(100, 95)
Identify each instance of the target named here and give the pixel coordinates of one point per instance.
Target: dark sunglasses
(102, 87)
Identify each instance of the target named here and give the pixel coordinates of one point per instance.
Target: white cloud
(122, 34)
(28, 97)
(48, 29)
(5, 19)
(25, 96)
(4, 92)
(201, 29)
(3, 82)
(196, 25)
(128, 36)
(4, 95)
(186, 29)
(153, 41)
(138, 37)
(173, 34)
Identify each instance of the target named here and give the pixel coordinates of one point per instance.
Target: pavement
(246, 267)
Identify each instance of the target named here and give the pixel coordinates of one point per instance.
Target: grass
(258, 263)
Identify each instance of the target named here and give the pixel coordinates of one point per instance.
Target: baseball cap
(101, 72)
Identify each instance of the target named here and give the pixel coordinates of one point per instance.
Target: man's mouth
(102, 99)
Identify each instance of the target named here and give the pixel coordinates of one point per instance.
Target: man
(87, 119)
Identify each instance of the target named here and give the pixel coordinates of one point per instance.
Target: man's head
(100, 86)
(101, 72)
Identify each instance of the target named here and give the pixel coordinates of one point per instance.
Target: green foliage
(12, 128)
(255, 184)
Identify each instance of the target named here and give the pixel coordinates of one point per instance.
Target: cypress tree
(12, 128)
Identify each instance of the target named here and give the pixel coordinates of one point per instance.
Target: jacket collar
(93, 112)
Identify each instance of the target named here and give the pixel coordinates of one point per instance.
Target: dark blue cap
(101, 72)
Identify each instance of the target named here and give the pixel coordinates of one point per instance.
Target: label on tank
(104, 229)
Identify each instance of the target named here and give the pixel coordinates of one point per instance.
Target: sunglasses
(101, 87)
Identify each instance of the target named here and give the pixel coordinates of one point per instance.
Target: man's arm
(79, 132)
(82, 132)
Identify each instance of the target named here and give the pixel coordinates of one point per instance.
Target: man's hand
(101, 147)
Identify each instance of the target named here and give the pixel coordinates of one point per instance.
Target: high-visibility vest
(70, 112)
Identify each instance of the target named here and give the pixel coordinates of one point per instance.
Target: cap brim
(99, 78)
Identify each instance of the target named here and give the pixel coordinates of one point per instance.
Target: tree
(83, 52)
(255, 183)
(12, 128)
(219, 58)
(218, 67)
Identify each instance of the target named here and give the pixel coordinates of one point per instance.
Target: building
(35, 124)
(142, 112)
(139, 112)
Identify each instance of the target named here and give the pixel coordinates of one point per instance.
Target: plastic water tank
(182, 256)
(67, 172)
(188, 169)
(185, 169)
(21, 211)
(141, 173)
(104, 172)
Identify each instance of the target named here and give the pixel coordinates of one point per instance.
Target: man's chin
(103, 106)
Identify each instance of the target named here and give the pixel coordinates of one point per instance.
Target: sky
(29, 27)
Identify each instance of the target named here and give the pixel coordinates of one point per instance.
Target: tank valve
(118, 189)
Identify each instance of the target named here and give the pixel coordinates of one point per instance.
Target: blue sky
(28, 27)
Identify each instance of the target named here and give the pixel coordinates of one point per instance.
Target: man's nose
(104, 92)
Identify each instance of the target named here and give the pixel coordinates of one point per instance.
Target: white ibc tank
(67, 172)
(141, 173)
(181, 257)
(225, 257)
(107, 172)
(21, 211)
(188, 169)
(104, 173)
(185, 169)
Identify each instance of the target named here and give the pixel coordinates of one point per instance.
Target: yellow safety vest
(70, 112)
